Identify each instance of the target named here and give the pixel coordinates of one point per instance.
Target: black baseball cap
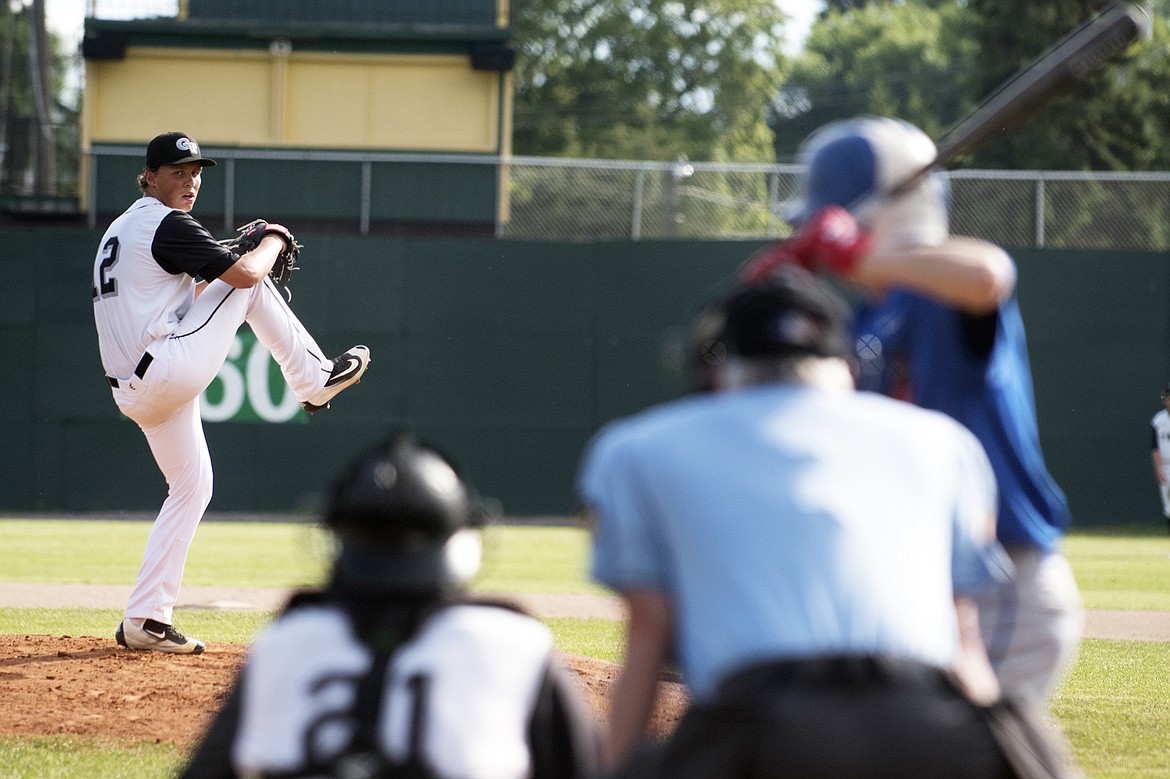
(793, 313)
(1166, 392)
(174, 148)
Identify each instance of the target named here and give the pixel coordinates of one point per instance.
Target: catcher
(167, 301)
(392, 669)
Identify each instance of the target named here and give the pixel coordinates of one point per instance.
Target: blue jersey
(975, 370)
(787, 522)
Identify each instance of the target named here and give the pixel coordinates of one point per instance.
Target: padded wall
(511, 354)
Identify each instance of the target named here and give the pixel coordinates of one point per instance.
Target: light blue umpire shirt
(789, 522)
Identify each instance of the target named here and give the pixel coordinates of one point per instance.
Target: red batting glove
(831, 240)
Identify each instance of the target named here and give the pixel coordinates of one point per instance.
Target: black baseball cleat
(154, 635)
(347, 371)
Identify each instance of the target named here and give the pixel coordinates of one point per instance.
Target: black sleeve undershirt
(182, 245)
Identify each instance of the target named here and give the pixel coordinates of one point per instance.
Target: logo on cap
(174, 148)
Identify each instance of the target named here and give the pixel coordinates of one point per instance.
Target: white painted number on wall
(249, 387)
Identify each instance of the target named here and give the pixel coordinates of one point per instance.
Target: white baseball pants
(1032, 625)
(164, 402)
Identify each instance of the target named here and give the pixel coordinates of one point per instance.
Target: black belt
(833, 669)
(139, 370)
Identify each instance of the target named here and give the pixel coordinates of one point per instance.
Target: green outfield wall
(510, 355)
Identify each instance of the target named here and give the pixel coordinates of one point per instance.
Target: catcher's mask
(791, 315)
(406, 519)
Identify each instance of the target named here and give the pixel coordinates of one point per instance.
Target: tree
(932, 61)
(1116, 119)
(897, 59)
(41, 139)
(38, 126)
(843, 6)
(645, 79)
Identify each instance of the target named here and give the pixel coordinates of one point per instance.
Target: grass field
(1113, 706)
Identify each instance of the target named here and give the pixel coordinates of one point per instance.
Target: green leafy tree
(38, 113)
(1116, 119)
(852, 5)
(645, 79)
(932, 61)
(907, 59)
(844, 5)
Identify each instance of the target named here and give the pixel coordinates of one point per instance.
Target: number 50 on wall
(250, 387)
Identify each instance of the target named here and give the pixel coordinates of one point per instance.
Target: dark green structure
(511, 354)
(423, 198)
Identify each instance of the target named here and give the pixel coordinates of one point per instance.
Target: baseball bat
(1083, 51)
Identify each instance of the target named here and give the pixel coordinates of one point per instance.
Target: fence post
(636, 215)
(229, 195)
(1039, 239)
(773, 205)
(367, 178)
(91, 190)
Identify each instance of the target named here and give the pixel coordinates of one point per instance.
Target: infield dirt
(89, 687)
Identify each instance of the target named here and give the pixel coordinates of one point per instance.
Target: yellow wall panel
(431, 107)
(327, 105)
(222, 99)
(395, 102)
(401, 103)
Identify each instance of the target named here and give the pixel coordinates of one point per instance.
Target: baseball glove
(249, 238)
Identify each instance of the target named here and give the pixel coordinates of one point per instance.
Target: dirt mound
(90, 687)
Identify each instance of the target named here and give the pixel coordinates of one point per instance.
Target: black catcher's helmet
(399, 509)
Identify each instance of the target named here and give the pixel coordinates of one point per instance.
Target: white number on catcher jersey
(461, 693)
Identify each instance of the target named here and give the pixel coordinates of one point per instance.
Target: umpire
(806, 555)
(390, 671)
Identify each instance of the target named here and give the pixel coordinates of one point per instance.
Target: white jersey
(473, 671)
(1161, 426)
(144, 279)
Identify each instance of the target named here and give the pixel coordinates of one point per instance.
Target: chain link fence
(554, 199)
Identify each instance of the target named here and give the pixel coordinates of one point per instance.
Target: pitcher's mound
(90, 687)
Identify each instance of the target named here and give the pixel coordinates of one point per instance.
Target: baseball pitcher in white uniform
(168, 300)
(1160, 450)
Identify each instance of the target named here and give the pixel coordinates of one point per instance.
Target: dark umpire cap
(1166, 392)
(792, 313)
(174, 149)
